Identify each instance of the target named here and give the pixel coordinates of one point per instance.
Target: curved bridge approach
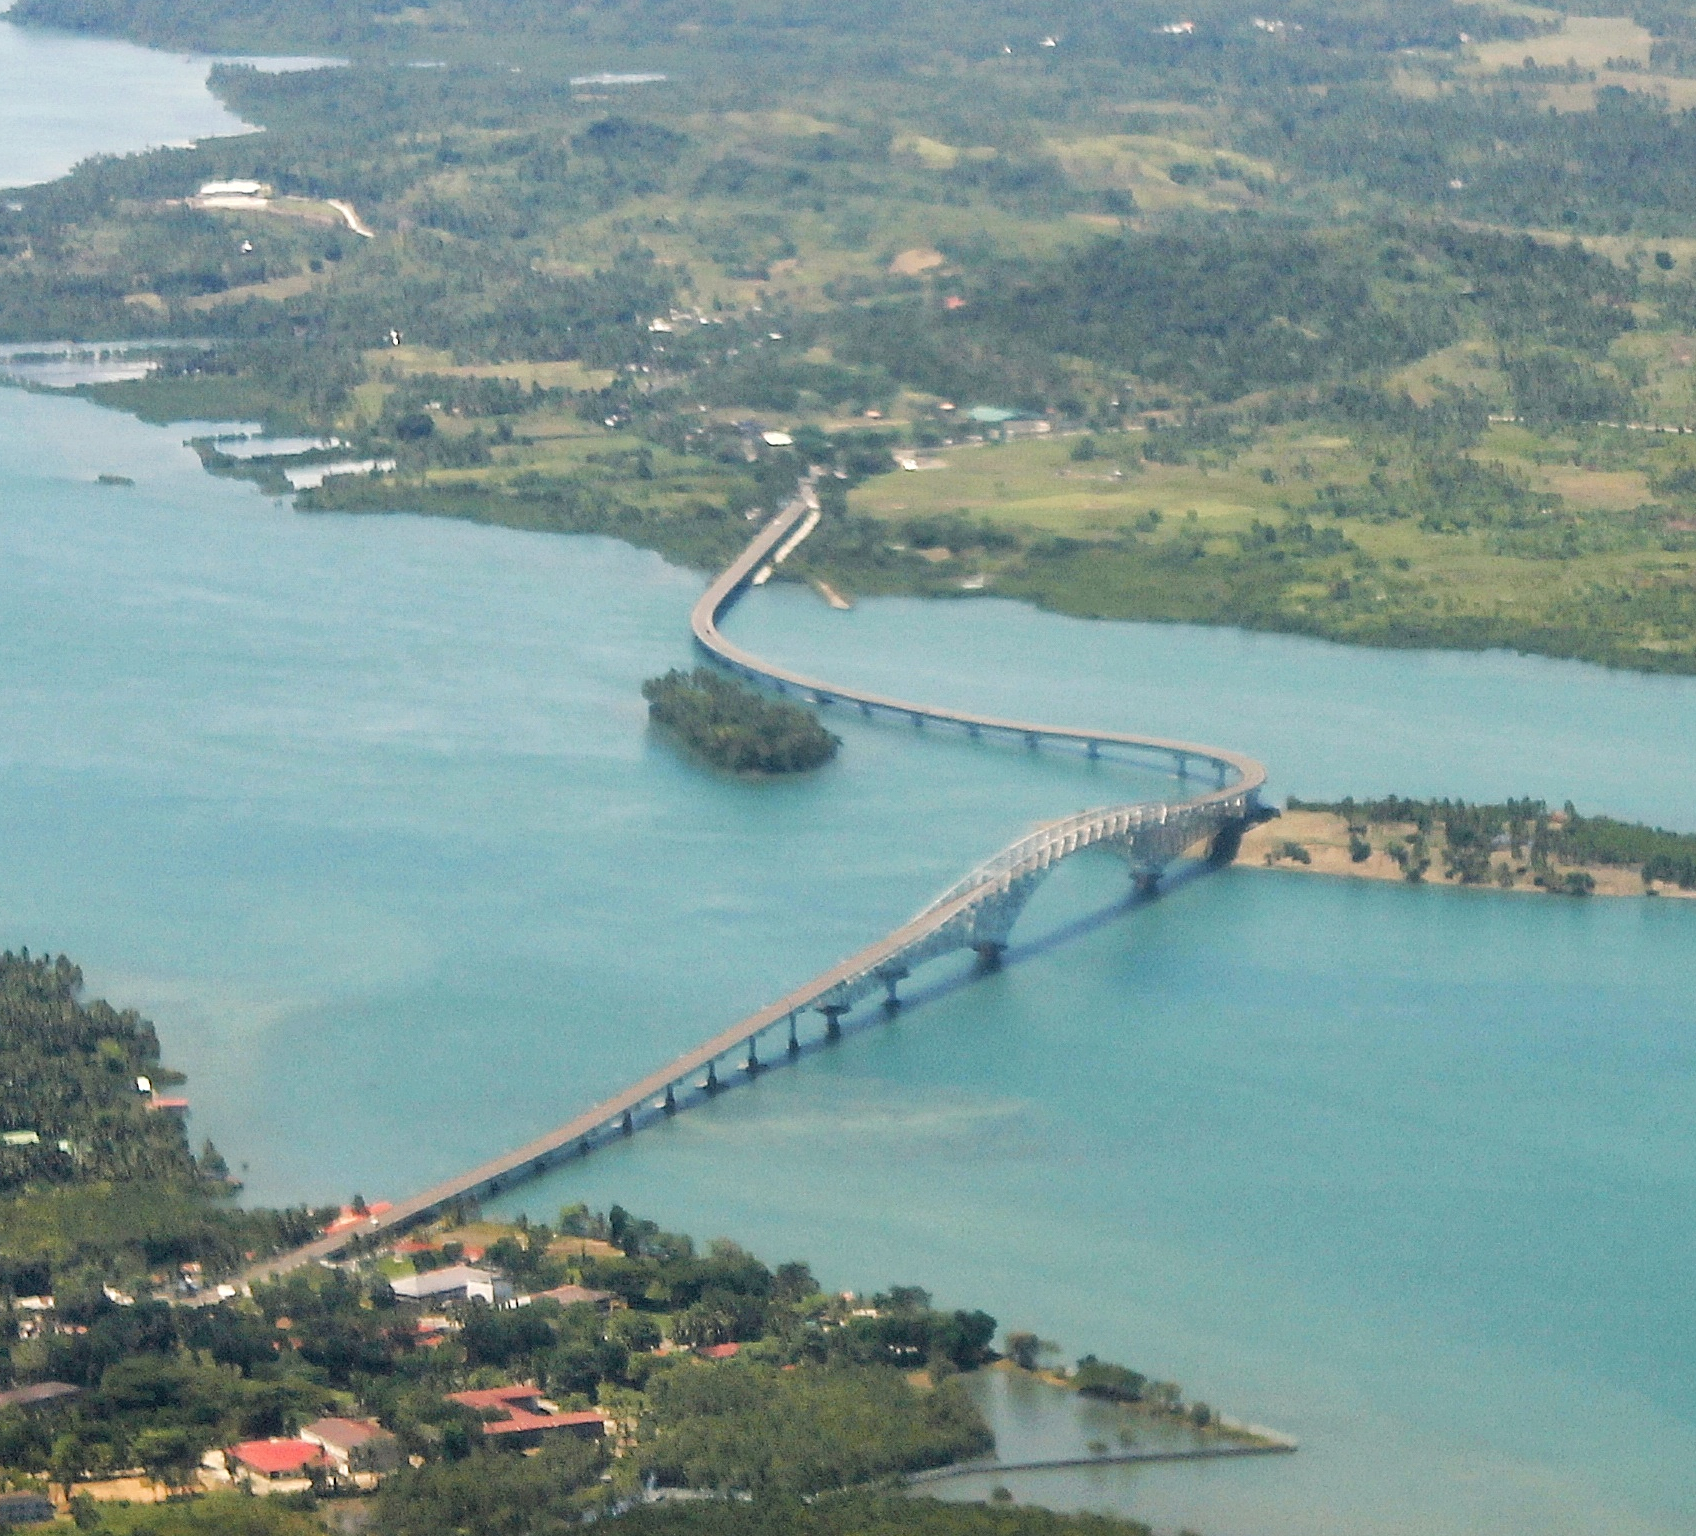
(978, 912)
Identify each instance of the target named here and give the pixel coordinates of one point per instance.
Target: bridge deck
(643, 1098)
(1248, 774)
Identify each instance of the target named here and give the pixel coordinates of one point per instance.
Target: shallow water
(365, 813)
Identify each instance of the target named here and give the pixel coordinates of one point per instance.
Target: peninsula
(1517, 845)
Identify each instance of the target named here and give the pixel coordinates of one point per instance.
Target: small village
(473, 1337)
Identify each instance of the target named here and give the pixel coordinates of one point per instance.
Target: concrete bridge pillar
(794, 1044)
(711, 1084)
(832, 1020)
(1225, 842)
(989, 953)
(1146, 882)
(670, 1100)
(627, 1125)
(583, 1148)
(890, 979)
(752, 1064)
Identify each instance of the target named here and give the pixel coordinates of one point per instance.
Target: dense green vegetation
(1355, 310)
(526, 1497)
(870, 1515)
(758, 1428)
(734, 727)
(1528, 832)
(95, 1185)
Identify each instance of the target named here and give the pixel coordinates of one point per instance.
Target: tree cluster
(732, 726)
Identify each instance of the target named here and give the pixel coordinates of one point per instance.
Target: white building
(458, 1282)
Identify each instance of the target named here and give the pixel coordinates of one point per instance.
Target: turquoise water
(365, 813)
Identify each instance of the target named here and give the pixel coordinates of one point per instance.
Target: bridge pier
(627, 1125)
(1093, 749)
(832, 1020)
(890, 979)
(670, 1105)
(752, 1064)
(583, 1147)
(989, 954)
(1146, 882)
(794, 1044)
(711, 1084)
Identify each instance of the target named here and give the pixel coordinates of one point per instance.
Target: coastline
(1324, 837)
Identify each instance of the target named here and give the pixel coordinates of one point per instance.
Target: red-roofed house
(523, 1417)
(719, 1351)
(274, 1466)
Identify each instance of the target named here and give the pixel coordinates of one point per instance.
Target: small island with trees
(733, 727)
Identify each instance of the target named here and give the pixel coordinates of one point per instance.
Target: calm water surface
(366, 814)
(64, 98)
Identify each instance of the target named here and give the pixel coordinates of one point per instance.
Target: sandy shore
(1326, 839)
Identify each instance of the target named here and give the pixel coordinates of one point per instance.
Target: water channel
(365, 813)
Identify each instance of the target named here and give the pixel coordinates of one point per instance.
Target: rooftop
(274, 1456)
(456, 1277)
(40, 1392)
(574, 1296)
(525, 1410)
(345, 1434)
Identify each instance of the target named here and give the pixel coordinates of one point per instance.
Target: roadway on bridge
(956, 919)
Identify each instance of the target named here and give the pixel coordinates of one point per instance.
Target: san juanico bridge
(977, 913)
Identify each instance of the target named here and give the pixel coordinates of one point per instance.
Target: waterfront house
(358, 1450)
(522, 1417)
(458, 1282)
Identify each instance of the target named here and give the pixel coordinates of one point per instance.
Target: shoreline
(1324, 838)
